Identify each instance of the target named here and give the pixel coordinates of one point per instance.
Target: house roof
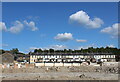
(72, 54)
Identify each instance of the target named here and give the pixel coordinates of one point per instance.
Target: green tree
(36, 50)
(65, 50)
(39, 51)
(2, 51)
(14, 51)
(51, 50)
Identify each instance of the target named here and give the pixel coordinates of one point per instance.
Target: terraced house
(70, 57)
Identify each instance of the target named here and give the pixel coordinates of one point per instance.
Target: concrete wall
(39, 64)
(57, 64)
(49, 64)
(76, 64)
(110, 64)
(67, 64)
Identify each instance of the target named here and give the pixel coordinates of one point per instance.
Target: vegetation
(2, 51)
(89, 50)
(14, 51)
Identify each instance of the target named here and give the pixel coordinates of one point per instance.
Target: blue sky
(59, 25)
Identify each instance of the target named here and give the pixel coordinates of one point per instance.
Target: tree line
(115, 51)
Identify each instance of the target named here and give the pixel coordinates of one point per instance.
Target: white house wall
(72, 57)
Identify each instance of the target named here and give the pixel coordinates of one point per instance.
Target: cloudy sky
(78, 25)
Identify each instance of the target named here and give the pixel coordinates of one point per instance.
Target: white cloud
(3, 45)
(112, 30)
(82, 47)
(55, 47)
(32, 48)
(3, 26)
(35, 18)
(87, 46)
(82, 18)
(111, 45)
(31, 25)
(77, 40)
(17, 27)
(64, 37)
(58, 47)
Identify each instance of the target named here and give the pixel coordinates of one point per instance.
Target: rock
(82, 76)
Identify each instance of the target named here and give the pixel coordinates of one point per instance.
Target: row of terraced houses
(70, 57)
